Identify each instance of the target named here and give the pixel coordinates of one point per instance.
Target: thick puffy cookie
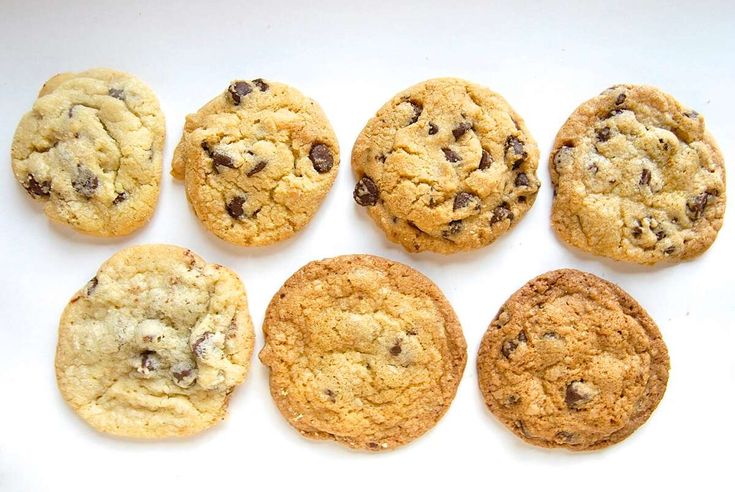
(445, 166)
(154, 344)
(572, 361)
(362, 351)
(637, 178)
(90, 150)
(257, 160)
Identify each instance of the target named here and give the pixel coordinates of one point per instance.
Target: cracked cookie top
(154, 344)
(90, 150)
(445, 166)
(257, 160)
(572, 361)
(637, 178)
(362, 351)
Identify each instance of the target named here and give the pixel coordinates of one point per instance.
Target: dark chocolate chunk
(620, 99)
(486, 160)
(451, 155)
(577, 394)
(34, 188)
(396, 349)
(669, 250)
(522, 180)
(260, 84)
(501, 213)
(238, 90)
(321, 158)
(234, 207)
(417, 109)
(85, 182)
(433, 129)
(462, 199)
(645, 177)
(636, 232)
(461, 129)
(453, 228)
(221, 160)
(696, 205)
(91, 286)
(257, 168)
(603, 134)
(366, 192)
(121, 197)
(117, 93)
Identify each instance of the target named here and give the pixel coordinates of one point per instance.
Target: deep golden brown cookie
(363, 351)
(154, 344)
(90, 150)
(258, 160)
(572, 361)
(637, 178)
(445, 166)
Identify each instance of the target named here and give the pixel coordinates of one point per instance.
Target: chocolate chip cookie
(637, 178)
(363, 351)
(572, 361)
(445, 166)
(257, 160)
(154, 344)
(90, 151)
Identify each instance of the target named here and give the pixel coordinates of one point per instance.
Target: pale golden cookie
(258, 160)
(154, 344)
(572, 361)
(90, 150)
(637, 178)
(445, 166)
(363, 351)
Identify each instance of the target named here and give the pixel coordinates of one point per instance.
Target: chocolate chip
(234, 207)
(381, 158)
(577, 393)
(614, 112)
(696, 205)
(636, 232)
(261, 84)
(603, 134)
(620, 99)
(417, 109)
(121, 197)
(514, 143)
(451, 155)
(486, 160)
(34, 188)
(660, 235)
(91, 286)
(522, 337)
(462, 199)
(455, 227)
(669, 250)
(396, 349)
(691, 114)
(238, 90)
(433, 129)
(521, 180)
(461, 129)
(184, 373)
(509, 346)
(593, 168)
(221, 160)
(366, 192)
(501, 213)
(201, 345)
(645, 177)
(117, 94)
(373, 445)
(522, 199)
(258, 167)
(85, 182)
(148, 362)
(321, 158)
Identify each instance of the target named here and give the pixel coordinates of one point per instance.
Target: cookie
(637, 178)
(90, 151)
(154, 344)
(445, 166)
(572, 361)
(257, 161)
(363, 351)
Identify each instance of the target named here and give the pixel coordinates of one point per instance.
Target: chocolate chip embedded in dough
(501, 213)
(578, 393)
(645, 177)
(238, 90)
(321, 158)
(522, 180)
(261, 84)
(37, 189)
(121, 197)
(366, 192)
(462, 199)
(117, 93)
(696, 205)
(184, 373)
(620, 99)
(417, 110)
(433, 129)
(486, 160)
(451, 155)
(257, 168)
(234, 206)
(461, 129)
(85, 182)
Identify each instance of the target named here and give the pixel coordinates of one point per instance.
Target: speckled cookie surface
(154, 344)
(257, 160)
(362, 351)
(90, 151)
(445, 166)
(572, 361)
(637, 178)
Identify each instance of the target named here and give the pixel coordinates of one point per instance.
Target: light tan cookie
(445, 166)
(258, 160)
(90, 150)
(572, 361)
(154, 344)
(363, 351)
(637, 178)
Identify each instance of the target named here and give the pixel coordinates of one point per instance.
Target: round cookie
(445, 166)
(90, 150)
(257, 160)
(363, 351)
(637, 178)
(154, 344)
(572, 361)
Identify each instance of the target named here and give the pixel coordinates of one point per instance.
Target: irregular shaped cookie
(572, 361)
(258, 160)
(90, 150)
(637, 178)
(363, 351)
(445, 166)
(154, 344)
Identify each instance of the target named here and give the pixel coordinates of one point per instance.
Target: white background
(351, 57)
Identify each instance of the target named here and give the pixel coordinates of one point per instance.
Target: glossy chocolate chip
(696, 205)
(645, 177)
(451, 155)
(321, 158)
(396, 349)
(91, 286)
(366, 192)
(603, 134)
(221, 160)
(522, 180)
(620, 99)
(117, 93)
(234, 207)
(238, 90)
(461, 129)
(577, 393)
(261, 84)
(433, 129)
(257, 168)
(417, 109)
(462, 199)
(501, 213)
(121, 197)
(85, 182)
(486, 160)
(35, 189)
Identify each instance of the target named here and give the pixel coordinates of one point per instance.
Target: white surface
(352, 58)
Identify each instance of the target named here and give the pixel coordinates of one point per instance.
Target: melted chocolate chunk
(321, 158)
(238, 90)
(620, 99)
(577, 394)
(486, 160)
(454, 227)
(121, 197)
(221, 160)
(366, 192)
(261, 84)
(501, 213)
(257, 168)
(696, 205)
(234, 207)
(36, 189)
(417, 109)
(461, 129)
(451, 155)
(603, 134)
